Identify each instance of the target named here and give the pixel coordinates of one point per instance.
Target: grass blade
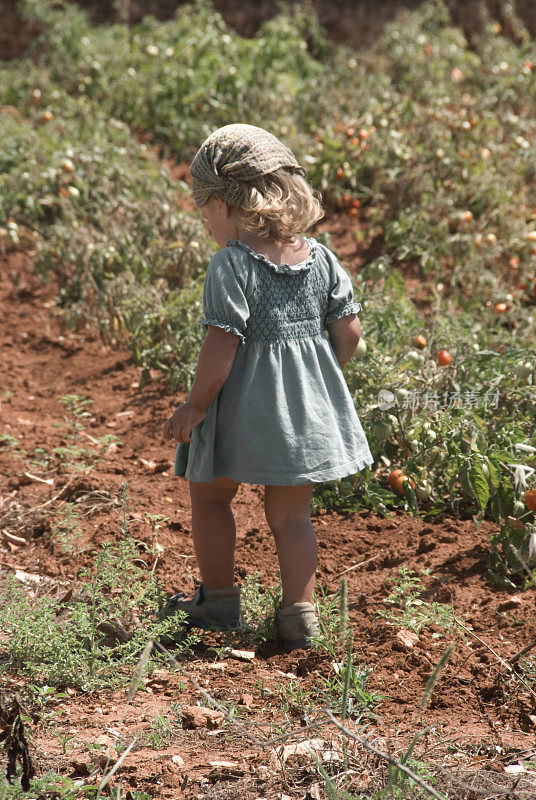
(347, 678)
(343, 612)
(435, 675)
(117, 764)
(138, 672)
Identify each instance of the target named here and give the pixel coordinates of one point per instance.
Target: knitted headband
(231, 157)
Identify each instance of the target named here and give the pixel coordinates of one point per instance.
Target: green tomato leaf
(479, 484)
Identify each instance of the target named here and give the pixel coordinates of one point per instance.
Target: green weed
(161, 730)
(91, 641)
(409, 610)
(66, 530)
(54, 785)
(259, 606)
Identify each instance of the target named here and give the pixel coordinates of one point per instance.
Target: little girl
(269, 403)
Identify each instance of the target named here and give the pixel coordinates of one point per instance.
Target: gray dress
(285, 415)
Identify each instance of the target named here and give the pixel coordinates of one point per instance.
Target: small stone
(313, 792)
(178, 760)
(512, 602)
(408, 639)
(225, 769)
(160, 675)
(80, 767)
(309, 748)
(330, 756)
(197, 717)
(242, 655)
(104, 741)
(262, 771)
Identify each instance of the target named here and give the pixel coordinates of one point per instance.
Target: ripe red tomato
(419, 341)
(393, 477)
(399, 484)
(530, 499)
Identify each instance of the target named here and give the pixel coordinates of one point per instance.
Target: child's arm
(344, 334)
(213, 367)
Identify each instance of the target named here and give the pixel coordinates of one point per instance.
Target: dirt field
(480, 718)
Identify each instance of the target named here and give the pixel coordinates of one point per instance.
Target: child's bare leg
(288, 514)
(214, 530)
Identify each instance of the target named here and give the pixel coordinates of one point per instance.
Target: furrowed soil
(480, 718)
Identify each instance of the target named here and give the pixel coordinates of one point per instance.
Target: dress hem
(342, 471)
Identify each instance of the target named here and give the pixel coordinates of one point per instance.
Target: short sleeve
(341, 295)
(224, 300)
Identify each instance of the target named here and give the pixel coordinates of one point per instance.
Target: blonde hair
(280, 205)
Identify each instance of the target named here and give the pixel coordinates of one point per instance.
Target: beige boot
(297, 626)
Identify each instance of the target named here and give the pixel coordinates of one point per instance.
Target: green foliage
(8, 442)
(90, 641)
(54, 785)
(66, 530)
(161, 731)
(71, 453)
(345, 688)
(512, 561)
(258, 609)
(409, 610)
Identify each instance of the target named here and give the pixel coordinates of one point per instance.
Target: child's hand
(182, 423)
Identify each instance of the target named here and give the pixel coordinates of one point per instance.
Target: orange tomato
(364, 133)
(353, 212)
(340, 174)
(46, 116)
(395, 474)
(350, 132)
(354, 202)
(514, 262)
(400, 481)
(419, 341)
(530, 499)
(468, 216)
(500, 308)
(443, 358)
